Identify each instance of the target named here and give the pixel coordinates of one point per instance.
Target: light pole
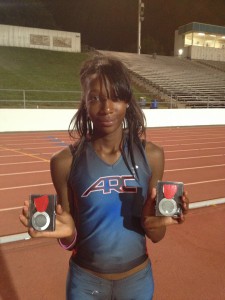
(141, 7)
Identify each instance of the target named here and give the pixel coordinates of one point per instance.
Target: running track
(194, 155)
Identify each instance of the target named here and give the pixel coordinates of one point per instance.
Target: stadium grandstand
(178, 81)
(193, 77)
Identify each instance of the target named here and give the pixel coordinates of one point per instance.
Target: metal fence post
(24, 99)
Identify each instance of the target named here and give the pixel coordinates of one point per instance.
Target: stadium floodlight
(180, 52)
(141, 7)
(142, 11)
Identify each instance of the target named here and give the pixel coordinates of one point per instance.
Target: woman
(105, 184)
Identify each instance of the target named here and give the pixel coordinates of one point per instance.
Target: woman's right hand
(64, 229)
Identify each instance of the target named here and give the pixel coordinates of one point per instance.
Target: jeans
(82, 285)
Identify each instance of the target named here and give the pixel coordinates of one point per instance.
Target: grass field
(40, 78)
(38, 74)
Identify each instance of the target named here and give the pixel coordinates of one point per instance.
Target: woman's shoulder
(63, 154)
(154, 151)
(62, 159)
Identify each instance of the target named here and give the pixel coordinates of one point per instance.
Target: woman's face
(104, 109)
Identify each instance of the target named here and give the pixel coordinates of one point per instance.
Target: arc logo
(108, 184)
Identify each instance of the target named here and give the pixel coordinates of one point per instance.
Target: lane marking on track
(206, 203)
(13, 155)
(22, 145)
(49, 142)
(34, 148)
(21, 155)
(191, 144)
(180, 137)
(194, 168)
(25, 186)
(24, 153)
(62, 142)
(192, 205)
(31, 140)
(196, 149)
(11, 208)
(14, 238)
(207, 181)
(50, 183)
(25, 162)
(196, 157)
(169, 170)
(23, 173)
(50, 153)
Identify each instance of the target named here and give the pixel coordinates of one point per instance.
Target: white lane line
(31, 139)
(11, 208)
(26, 236)
(206, 203)
(191, 205)
(24, 186)
(194, 168)
(196, 157)
(23, 173)
(47, 147)
(56, 141)
(50, 183)
(19, 155)
(207, 181)
(42, 142)
(25, 162)
(11, 155)
(196, 149)
(14, 238)
(21, 151)
(50, 153)
(169, 139)
(190, 144)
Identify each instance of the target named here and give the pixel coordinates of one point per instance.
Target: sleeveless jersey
(107, 211)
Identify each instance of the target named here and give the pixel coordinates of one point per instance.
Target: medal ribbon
(169, 190)
(41, 203)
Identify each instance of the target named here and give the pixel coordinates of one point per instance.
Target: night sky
(112, 24)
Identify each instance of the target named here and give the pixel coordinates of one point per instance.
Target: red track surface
(188, 264)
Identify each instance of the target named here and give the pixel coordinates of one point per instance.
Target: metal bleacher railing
(170, 81)
(21, 98)
(177, 81)
(18, 98)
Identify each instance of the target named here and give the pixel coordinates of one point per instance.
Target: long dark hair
(114, 71)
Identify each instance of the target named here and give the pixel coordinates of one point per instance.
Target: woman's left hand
(185, 207)
(155, 226)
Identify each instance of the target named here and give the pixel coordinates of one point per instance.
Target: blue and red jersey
(108, 201)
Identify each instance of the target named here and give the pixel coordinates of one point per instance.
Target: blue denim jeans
(82, 285)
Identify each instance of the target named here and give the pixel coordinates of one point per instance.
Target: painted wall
(15, 120)
(27, 37)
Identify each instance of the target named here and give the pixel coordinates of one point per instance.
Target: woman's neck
(108, 147)
(108, 142)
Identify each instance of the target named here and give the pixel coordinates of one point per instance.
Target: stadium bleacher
(185, 82)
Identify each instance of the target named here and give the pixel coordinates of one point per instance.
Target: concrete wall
(207, 53)
(12, 120)
(18, 36)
